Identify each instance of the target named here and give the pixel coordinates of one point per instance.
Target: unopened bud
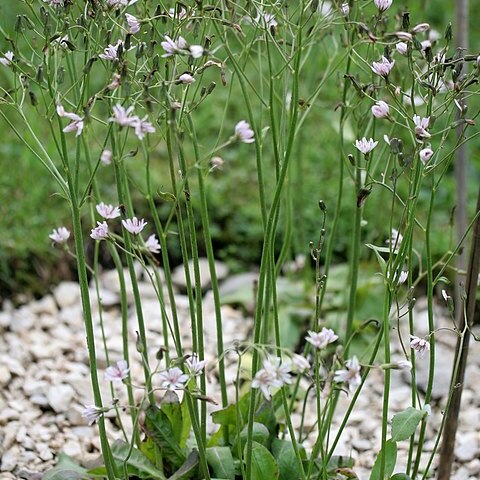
(448, 32)
(421, 27)
(139, 344)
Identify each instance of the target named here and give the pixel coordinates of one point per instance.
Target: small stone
(73, 449)
(46, 454)
(60, 397)
(179, 278)
(361, 445)
(468, 447)
(8, 415)
(45, 305)
(67, 294)
(5, 375)
(10, 459)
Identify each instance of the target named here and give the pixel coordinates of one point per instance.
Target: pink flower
(106, 157)
(117, 373)
(402, 48)
(365, 146)
(133, 225)
(116, 82)
(349, 375)
(244, 133)
(142, 127)
(381, 109)
(173, 379)
(171, 47)
(133, 24)
(60, 235)
(108, 211)
(100, 232)
(421, 125)
(92, 413)
(345, 9)
(301, 363)
(383, 5)
(195, 366)
(196, 51)
(186, 78)
(123, 117)
(152, 244)
(111, 52)
(425, 155)
(121, 3)
(321, 339)
(76, 121)
(7, 59)
(420, 345)
(274, 374)
(383, 68)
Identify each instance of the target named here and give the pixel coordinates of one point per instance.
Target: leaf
(264, 465)
(260, 434)
(188, 469)
(220, 460)
(405, 423)
(400, 476)
(390, 460)
(381, 261)
(171, 407)
(160, 430)
(284, 454)
(66, 469)
(226, 416)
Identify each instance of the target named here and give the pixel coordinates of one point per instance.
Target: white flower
(173, 379)
(171, 47)
(321, 339)
(381, 109)
(117, 373)
(61, 42)
(186, 78)
(421, 125)
(300, 362)
(133, 225)
(92, 413)
(195, 366)
(111, 52)
(420, 345)
(244, 133)
(60, 235)
(425, 155)
(345, 9)
(7, 59)
(365, 146)
(404, 365)
(100, 232)
(152, 244)
(403, 277)
(265, 19)
(445, 295)
(383, 68)
(421, 27)
(274, 374)
(181, 14)
(121, 3)
(123, 117)
(383, 5)
(426, 44)
(106, 157)
(142, 127)
(349, 375)
(196, 51)
(402, 48)
(405, 36)
(108, 211)
(76, 124)
(133, 24)
(395, 240)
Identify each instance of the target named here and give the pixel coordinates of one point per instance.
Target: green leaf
(171, 407)
(405, 423)
(400, 476)
(390, 460)
(260, 434)
(159, 428)
(67, 469)
(221, 462)
(226, 416)
(264, 465)
(188, 469)
(284, 454)
(381, 261)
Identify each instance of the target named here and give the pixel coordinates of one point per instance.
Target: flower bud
(421, 27)
(381, 109)
(425, 155)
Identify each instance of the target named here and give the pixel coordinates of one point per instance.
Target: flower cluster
(124, 118)
(180, 47)
(274, 374)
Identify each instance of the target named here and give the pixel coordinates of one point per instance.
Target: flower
(266, 20)
(321, 339)
(349, 375)
(420, 345)
(173, 379)
(365, 146)
(395, 239)
(179, 13)
(345, 9)
(108, 211)
(195, 366)
(133, 23)
(76, 121)
(116, 82)
(111, 52)
(186, 78)
(133, 225)
(300, 362)
(381, 109)
(421, 125)
(61, 42)
(383, 68)
(404, 365)
(403, 277)
(100, 232)
(54, 3)
(244, 133)
(421, 27)
(92, 413)
(121, 3)
(383, 5)
(273, 374)
(122, 116)
(106, 157)
(196, 51)
(142, 127)
(171, 47)
(445, 296)
(118, 372)
(152, 244)
(402, 48)
(7, 59)
(60, 235)
(426, 155)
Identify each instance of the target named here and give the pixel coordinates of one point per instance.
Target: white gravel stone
(67, 294)
(10, 459)
(60, 397)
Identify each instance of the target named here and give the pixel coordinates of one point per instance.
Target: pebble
(67, 294)
(10, 459)
(60, 397)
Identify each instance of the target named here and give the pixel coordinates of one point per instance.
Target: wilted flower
(300, 362)
(123, 117)
(111, 52)
(106, 157)
(133, 225)
(118, 372)
(345, 9)
(420, 345)
(152, 244)
(244, 133)
(133, 23)
(425, 155)
(421, 125)
(76, 124)
(186, 78)
(217, 162)
(100, 232)
(383, 5)
(116, 82)
(7, 59)
(194, 365)
(60, 235)
(92, 413)
(365, 146)
(142, 127)
(383, 68)
(405, 36)
(400, 365)
(173, 379)
(349, 375)
(402, 48)
(381, 109)
(274, 374)
(321, 339)
(421, 27)
(108, 211)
